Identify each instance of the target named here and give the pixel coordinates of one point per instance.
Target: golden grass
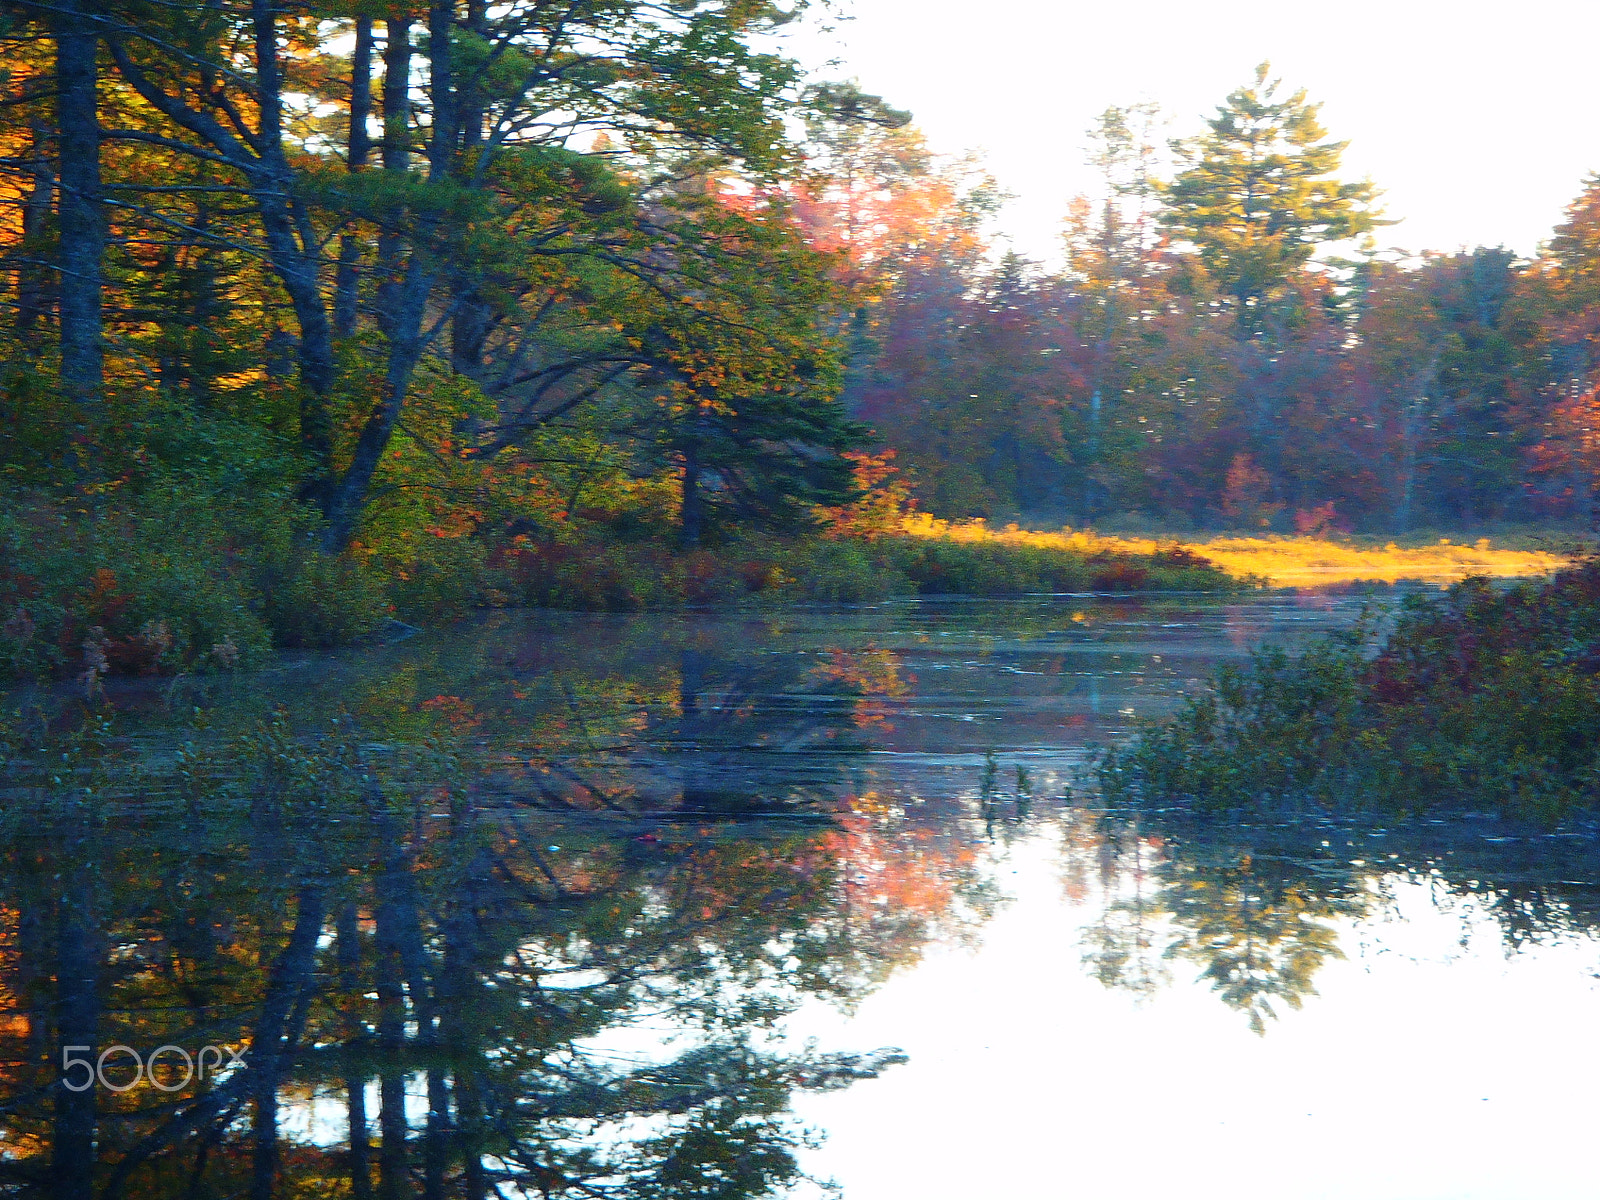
(1281, 561)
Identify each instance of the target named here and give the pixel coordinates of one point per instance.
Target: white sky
(1478, 120)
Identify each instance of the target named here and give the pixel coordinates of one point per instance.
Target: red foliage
(1319, 520)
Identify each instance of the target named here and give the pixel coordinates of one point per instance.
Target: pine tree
(1259, 196)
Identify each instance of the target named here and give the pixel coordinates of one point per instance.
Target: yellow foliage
(1282, 561)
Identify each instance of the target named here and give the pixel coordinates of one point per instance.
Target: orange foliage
(1246, 493)
(885, 499)
(1571, 449)
(457, 713)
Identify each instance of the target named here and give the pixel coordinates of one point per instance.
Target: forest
(321, 315)
(442, 448)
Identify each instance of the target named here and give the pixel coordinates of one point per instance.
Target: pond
(735, 904)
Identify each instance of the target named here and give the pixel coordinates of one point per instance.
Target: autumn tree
(860, 154)
(1113, 251)
(1565, 285)
(450, 213)
(744, 371)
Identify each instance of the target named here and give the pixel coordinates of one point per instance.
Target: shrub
(436, 578)
(171, 581)
(938, 566)
(841, 570)
(116, 591)
(591, 577)
(1482, 698)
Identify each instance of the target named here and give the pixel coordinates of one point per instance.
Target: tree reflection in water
(516, 914)
(449, 910)
(1259, 902)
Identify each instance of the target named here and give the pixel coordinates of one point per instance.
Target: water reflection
(1258, 920)
(450, 923)
(452, 983)
(1261, 905)
(525, 909)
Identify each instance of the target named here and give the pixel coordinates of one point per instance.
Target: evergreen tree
(1259, 196)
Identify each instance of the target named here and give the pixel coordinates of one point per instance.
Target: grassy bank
(1279, 561)
(183, 576)
(178, 582)
(636, 577)
(1481, 698)
(185, 579)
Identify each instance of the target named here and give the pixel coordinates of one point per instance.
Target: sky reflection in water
(541, 844)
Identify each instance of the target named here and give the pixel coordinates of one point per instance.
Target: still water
(726, 905)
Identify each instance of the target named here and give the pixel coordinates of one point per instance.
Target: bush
(309, 599)
(841, 570)
(172, 581)
(990, 568)
(1481, 698)
(590, 577)
(437, 578)
(115, 592)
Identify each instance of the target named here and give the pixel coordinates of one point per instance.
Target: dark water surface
(729, 905)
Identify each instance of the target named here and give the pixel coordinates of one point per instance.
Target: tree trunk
(692, 517)
(396, 150)
(397, 91)
(349, 494)
(1408, 472)
(403, 306)
(345, 302)
(469, 328)
(293, 243)
(402, 296)
(441, 89)
(82, 231)
(293, 246)
(33, 283)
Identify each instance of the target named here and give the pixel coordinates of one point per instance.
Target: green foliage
(945, 567)
(642, 577)
(117, 590)
(174, 581)
(1260, 197)
(1481, 699)
(842, 569)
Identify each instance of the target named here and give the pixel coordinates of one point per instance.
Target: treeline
(399, 234)
(315, 313)
(1225, 348)
(322, 311)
